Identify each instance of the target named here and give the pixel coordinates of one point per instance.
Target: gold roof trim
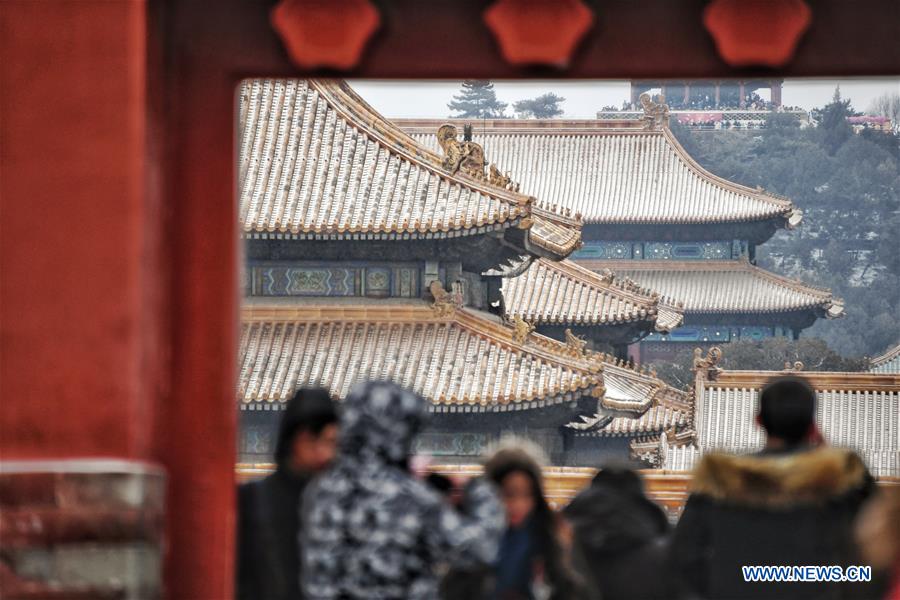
(819, 380)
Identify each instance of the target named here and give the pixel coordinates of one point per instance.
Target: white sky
(428, 99)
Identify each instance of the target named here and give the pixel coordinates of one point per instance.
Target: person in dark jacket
(371, 529)
(620, 538)
(268, 565)
(793, 504)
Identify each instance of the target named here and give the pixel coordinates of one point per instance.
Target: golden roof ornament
(656, 114)
(495, 177)
(575, 345)
(445, 303)
(707, 366)
(521, 329)
(468, 157)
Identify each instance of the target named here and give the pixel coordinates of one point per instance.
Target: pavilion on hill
(711, 94)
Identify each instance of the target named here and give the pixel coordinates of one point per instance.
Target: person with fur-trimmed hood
(371, 529)
(792, 504)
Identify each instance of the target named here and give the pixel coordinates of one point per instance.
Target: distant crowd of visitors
(346, 515)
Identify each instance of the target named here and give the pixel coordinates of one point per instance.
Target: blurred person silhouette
(370, 528)
(792, 504)
(532, 562)
(620, 537)
(878, 536)
(269, 509)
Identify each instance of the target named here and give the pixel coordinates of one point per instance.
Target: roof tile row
(465, 359)
(734, 286)
(316, 159)
(614, 175)
(565, 293)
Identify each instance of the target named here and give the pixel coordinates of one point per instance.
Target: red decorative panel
(757, 32)
(538, 32)
(325, 33)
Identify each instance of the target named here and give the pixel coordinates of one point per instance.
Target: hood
(613, 516)
(379, 421)
(780, 480)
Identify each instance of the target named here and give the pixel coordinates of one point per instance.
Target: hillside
(848, 187)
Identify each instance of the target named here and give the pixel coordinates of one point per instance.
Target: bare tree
(886, 105)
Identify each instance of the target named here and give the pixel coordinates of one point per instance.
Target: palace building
(370, 256)
(654, 217)
(611, 311)
(855, 410)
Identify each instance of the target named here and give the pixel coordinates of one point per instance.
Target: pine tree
(545, 106)
(837, 129)
(477, 100)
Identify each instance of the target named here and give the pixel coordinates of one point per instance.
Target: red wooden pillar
(197, 422)
(76, 256)
(118, 297)
(83, 297)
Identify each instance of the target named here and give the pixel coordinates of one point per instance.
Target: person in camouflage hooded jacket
(371, 529)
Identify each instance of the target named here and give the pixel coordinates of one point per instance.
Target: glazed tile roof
(565, 293)
(635, 402)
(668, 316)
(628, 389)
(733, 286)
(889, 362)
(465, 362)
(659, 417)
(855, 410)
(679, 458)
(620, 174)
(651, 448)
(316, 161)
